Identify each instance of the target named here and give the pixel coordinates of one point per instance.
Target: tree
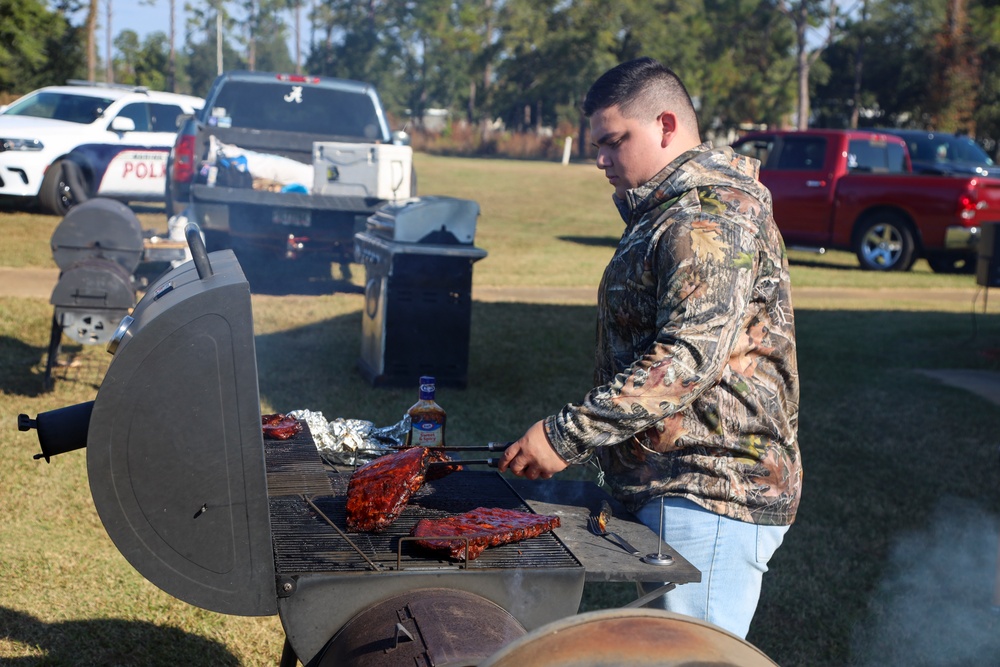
(984, 19)
(739, 65)
(144, 64)
(413, 50)
(203, 46)
(952, 96)
(806, 14)
(172, 58)
(898, 38)
(266, 35)
(92, 40)
(37, 46)
(127, 46)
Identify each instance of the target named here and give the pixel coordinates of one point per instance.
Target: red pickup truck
(855, 190)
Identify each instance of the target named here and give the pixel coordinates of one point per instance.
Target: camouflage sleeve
(705, 266)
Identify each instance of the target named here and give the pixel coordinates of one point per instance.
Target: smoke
(935, 604)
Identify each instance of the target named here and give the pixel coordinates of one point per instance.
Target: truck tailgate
(989, 200)
(206, 194)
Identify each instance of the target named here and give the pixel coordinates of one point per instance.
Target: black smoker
(204, 508)
(97, 247)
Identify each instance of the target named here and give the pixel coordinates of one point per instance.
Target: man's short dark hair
(638, 87)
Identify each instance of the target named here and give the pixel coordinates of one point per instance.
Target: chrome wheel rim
(882, 245)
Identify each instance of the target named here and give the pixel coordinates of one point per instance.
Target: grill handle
(198, 252)
(61, 430)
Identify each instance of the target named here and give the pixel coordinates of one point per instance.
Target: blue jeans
(731, 555)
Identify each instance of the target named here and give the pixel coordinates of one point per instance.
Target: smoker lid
(175, 452)
(98, 228)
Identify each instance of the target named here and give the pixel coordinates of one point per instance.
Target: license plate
(292, 217)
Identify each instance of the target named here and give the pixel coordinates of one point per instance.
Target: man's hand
(532, 456)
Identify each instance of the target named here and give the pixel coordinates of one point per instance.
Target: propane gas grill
(203, 507)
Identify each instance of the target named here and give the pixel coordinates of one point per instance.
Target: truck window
(164, 117)
(139, 113)
(306, 109)
(802, 153)
(756, 148)
(875, 156)
(60, 106)
(969, 151)
(925, 148)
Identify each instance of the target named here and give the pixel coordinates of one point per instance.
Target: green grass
(899, 519)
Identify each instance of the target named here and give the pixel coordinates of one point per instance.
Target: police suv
(60, 145)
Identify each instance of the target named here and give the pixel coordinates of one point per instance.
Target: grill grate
(304, 542)
(294, 466)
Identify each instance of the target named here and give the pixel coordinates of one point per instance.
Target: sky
(144, 19)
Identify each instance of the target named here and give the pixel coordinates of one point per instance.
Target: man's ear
(668, 126)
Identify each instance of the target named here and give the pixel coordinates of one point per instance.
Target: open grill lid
(175, 450)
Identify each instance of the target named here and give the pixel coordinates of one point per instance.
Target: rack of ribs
(279, 426)
(484, 526)
(378, 490)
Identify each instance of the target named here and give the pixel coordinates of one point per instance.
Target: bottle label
(426, 434)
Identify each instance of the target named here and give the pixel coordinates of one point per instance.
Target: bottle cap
(427, 387)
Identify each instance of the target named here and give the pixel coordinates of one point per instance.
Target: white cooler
(379, 171)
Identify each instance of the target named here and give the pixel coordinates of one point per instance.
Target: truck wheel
(884, 242)
(62, 188)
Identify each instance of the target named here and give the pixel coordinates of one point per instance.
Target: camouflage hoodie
(697, 388)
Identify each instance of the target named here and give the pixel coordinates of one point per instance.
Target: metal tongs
(597, 523)
(488, 447)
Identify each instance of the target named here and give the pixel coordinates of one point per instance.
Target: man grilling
(696, 394)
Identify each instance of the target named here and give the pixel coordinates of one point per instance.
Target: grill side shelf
(573, 501)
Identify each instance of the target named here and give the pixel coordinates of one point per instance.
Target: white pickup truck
(60, 145)
(287, 165)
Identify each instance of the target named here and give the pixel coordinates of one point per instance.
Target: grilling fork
(595, 527)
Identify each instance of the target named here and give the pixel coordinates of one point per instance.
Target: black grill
(206, 509)
(97, 246)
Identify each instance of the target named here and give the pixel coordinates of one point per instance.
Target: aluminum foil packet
(352, 441)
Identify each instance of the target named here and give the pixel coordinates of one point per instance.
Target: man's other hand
(532, 456)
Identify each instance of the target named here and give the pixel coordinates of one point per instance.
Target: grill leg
(288, 657)
(55, 338)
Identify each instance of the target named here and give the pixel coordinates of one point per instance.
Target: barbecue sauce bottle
(426, 418)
